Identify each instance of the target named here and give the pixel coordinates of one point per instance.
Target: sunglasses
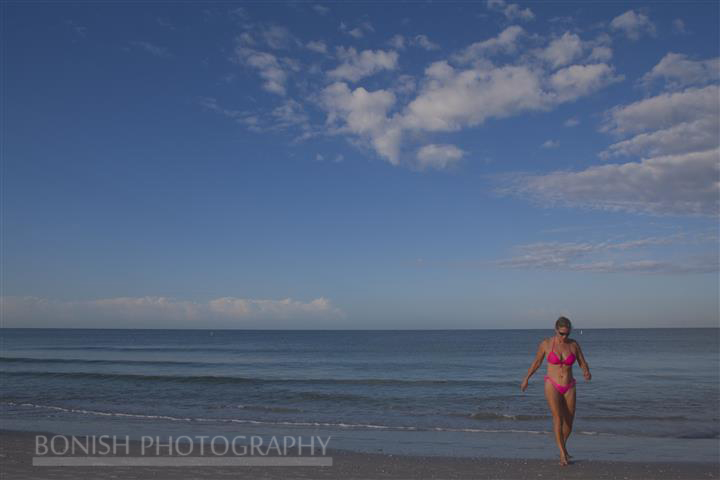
(564, 334)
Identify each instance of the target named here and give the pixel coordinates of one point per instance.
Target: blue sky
(330, 165)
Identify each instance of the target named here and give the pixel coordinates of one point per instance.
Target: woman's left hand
(587, 375)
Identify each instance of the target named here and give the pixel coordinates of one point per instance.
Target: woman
(559, 382)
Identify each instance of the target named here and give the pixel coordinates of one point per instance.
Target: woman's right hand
(524, 384)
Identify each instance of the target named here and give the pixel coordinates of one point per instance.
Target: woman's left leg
(569, 412)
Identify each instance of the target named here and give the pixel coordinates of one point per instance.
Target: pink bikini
(555, 360)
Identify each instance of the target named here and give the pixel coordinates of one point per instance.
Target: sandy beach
(18, 448)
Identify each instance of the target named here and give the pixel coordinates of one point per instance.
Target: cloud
(664, 110)
(364, 114)
(601, 53)
(451, 97)
(278, 37)
(357, 32)
(678, 26)
(438, 156)
(316, 46)
(572, 122)
(633, 24)
(405, 84)
(512, 11)
(506, 41)
(321, 9)
(152, 49)
(677, 71)
(685, 137)
(683, 184)
(611, 257)
(579, 80)
(491, 78)
(563, 50)
(667, 124)
(159, 312)
(289, 114)
(356, 65)
(399, 42)
(423, 41)
(675, 136)
(267, 65)
(550, 144)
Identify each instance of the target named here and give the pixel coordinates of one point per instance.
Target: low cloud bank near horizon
(166, 312)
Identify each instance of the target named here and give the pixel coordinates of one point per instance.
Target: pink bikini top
(553, 358)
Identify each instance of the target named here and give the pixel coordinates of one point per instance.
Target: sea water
(654, 395)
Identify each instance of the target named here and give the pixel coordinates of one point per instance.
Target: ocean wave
(269, 408)
(222, 379)
(107, 361)
(700, 435)
(623, 418)
(501, 416)
(341, 425)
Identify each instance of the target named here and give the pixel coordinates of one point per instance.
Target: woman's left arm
(583, 363)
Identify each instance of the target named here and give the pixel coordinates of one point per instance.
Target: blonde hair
(563, 322)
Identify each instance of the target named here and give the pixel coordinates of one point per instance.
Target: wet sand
(17, 450)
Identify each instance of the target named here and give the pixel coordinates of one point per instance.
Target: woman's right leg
(557, 407)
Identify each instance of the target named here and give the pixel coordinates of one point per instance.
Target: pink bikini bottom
(561, 388)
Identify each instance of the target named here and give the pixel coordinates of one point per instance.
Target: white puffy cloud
(506, 41)
(632, 24)
(576, 81)
(267, 65)
(356, 65)
(438, 156)
(512, 11)
(451, 97)
(364, 114)
(562, 51)
(550, 144)
(149, 312)
(677, 70)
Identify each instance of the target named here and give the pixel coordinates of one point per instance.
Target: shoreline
(17, 449)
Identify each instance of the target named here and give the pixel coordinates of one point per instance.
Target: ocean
(655, 393)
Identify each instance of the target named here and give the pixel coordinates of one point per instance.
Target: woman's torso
(566, 351)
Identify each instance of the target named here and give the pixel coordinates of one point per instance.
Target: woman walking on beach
(559, 382)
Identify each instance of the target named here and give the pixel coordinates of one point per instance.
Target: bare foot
(564, 460)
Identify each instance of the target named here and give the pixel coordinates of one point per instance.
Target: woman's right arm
(539, 356)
